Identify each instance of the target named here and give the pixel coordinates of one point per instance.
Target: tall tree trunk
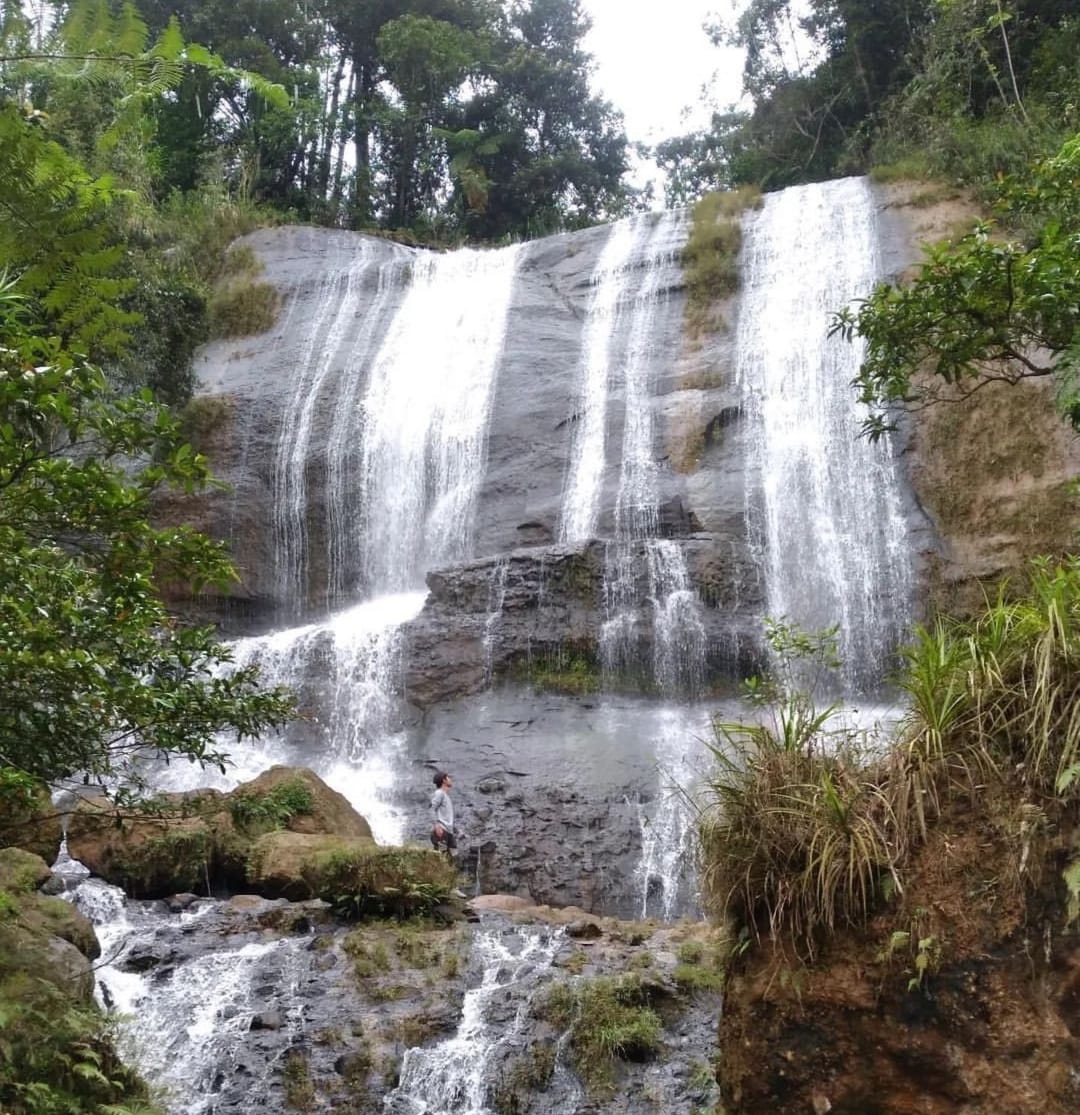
(331, 126)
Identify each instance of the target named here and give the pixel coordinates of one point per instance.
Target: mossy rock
(22, 872)
(58, 918)
(366, 880)
(324, 809)
(284, 864)
(34, 826)
(191, 842)
(35, 955)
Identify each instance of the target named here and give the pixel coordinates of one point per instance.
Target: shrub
(382, 882)
(243, 308)
(799, 832)
(999, 694)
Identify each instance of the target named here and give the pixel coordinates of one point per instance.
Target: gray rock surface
(324, 1018)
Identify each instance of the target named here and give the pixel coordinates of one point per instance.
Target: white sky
(652, 58)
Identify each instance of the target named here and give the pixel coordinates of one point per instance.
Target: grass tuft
(711, 255)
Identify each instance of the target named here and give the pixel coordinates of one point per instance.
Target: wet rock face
(502, 616)
(245, 403)
(304, 1013)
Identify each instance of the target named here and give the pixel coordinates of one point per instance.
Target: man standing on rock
(442, 809)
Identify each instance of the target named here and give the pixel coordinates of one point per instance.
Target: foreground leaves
(95, 672)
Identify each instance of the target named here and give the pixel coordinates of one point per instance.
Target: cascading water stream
(452, 1077)
(624, 350)
(828, 523)
(344, 440)
(426, 415)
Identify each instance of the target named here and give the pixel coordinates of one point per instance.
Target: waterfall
(452, 1077)
(581, 497)
(426, 413)
(668, 834)
(356, 655)
(344, 440)
(827, 524)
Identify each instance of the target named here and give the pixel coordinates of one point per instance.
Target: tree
(984, 310)
(96, 673)
(533, 150)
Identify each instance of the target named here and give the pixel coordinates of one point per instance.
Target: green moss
(608, 1020)
(176, 861)
(564, 671)
(369, 956)
(523, 1076)
(202, 417)
(711, 255)
(911, 168)
(21, 872)
(414, 950)
(243, 308)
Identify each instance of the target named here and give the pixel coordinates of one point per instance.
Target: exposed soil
(991, 1027)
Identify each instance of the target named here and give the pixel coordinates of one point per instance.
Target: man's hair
(440, 778)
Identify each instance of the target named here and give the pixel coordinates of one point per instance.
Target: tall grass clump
(799, 833)
(711, 255)
(999, 696)
(805, 829)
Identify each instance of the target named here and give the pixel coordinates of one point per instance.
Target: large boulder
(22, 871)
(34, 825)
(190, 843)
(300, 801)
(203, 840)
(283, 864)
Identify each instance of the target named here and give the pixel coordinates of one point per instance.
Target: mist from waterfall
(827, 523)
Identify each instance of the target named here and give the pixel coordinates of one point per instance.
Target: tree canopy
(967, 89)
(95, 671)
(988, 308)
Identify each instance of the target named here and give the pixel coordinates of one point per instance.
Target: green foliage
(177, 861)
(1071, 875)
(607, 1020)
(383, 881)
(997, 695)
(57, 1051)
(369, 957)
(77, 170)
(299, 1088)
(798, 829)
(983, 309)
(967, 90)
(711, 254)
(565, 671)
(94, 670)
(803, 831)
(921, 948)
(273, 809)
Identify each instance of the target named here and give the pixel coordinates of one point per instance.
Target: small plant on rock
(608, 1020)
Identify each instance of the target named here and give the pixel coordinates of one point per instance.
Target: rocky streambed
(254, 1004)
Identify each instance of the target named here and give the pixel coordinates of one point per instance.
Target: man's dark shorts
(448, 839)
